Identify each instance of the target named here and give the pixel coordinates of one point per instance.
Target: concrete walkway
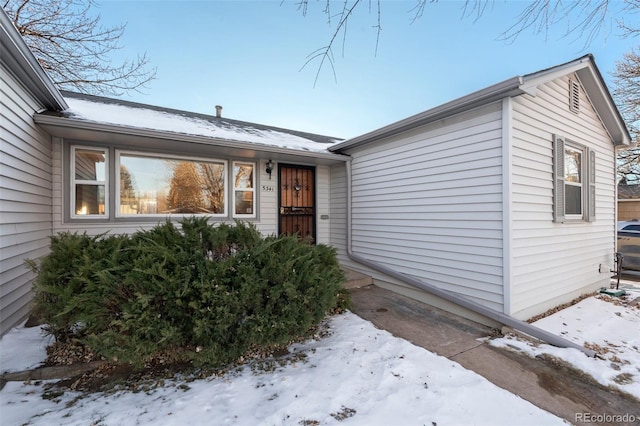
(552, 387)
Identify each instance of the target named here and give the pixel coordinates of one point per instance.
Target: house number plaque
(268, 188)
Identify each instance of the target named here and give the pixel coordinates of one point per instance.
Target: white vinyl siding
(554, 262)
(323, 205)
(338, 213)
(428, 203)
(267, 200)
(25, 197)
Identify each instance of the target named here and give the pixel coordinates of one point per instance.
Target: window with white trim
(162, 185)
(574, 181)
(89, 177)
(244, 189)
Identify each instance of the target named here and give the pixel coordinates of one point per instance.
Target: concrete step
(356, 279)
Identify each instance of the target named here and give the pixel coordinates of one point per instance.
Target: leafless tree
(67, 39)
(629, 166)
(185, 194)
(585, 19)
(627, 95)
(213, 180)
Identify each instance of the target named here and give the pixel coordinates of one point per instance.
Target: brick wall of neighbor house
(628, 209)
(555, 262)
(25, 197)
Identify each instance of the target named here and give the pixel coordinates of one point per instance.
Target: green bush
(199, 293)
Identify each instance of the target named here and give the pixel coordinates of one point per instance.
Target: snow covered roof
(117, 115)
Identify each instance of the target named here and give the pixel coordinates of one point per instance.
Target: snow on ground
(358, 375)
(603, 324)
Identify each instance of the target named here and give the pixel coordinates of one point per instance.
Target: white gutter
(453, 298)
(498, 91)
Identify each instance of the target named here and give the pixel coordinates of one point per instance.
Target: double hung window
(89, 188)
(574, 176)
(244, 189)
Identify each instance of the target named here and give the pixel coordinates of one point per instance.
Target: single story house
(505, 197)
(628, 202)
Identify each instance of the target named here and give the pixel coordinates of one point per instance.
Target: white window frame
(73, 182)
(587, 184)
(159, 156)
(581, 151)
(252, 189)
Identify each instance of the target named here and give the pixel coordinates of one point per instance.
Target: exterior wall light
(269, 168)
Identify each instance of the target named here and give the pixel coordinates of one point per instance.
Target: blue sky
(248, 56)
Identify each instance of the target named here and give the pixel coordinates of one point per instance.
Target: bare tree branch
(325, 54)
(583, 19)
(627, 96)
(71, 45)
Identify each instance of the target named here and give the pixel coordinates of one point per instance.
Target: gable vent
(574, 96)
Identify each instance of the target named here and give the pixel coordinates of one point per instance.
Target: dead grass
(560, 307)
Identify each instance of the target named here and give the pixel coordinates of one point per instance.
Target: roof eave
(20, 60)
(605, 106)
(73, 128)
(490, 94)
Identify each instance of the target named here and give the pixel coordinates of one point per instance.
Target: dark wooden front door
(297, 197)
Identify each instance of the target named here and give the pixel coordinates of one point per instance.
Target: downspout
(458, 300)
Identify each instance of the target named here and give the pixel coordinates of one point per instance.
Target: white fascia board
(493, 93)
(605, 107)
(21, 62)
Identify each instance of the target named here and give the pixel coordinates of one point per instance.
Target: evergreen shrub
(197, 292)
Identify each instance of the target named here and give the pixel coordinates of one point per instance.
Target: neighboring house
(628, 202)
(505, 196)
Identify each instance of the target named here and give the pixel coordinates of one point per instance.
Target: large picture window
(156, 185)
(244, 189)
(574, 175)
(89, 189)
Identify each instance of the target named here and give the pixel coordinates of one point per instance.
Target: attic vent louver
(574, 96)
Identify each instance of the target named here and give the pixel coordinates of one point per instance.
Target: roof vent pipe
(218, 111)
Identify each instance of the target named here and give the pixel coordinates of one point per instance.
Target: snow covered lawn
(358, 375)
(602, 324)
